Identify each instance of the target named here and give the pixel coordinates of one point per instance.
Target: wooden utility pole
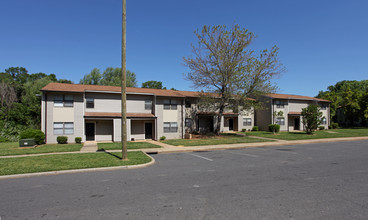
(123, 88)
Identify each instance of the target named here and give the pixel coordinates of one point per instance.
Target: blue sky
(321, 42)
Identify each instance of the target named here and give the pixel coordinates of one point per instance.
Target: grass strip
(337, 133)
(12, 148)
(130, 145)
(213, 141)
(46, 163)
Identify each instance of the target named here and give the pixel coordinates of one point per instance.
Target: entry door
(297, 124)
(148, 130)
(231, 124)
(90, 131)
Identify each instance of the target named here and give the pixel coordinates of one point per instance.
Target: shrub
(274, 128)
(162, 138)
(3, 139)
(78, 140)
(334, 125)
(321, 128)
(62, 139)
(38, 135)
(255, 128)
(195, 132)
(244, 130)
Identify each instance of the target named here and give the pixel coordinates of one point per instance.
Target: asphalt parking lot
(315, 181)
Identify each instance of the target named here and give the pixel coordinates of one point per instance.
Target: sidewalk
(165, 148)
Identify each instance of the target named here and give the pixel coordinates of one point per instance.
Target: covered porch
(294, 121)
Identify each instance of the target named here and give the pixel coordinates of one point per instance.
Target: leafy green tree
(222, 64)
(93, 78)
(110, 77)
(152, 84)
(311, 117)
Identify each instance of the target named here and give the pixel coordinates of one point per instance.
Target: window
(188, 122)
(61, 128)
(90, 102)
(280, 121)
(323, 106)
(247, 122)
(170, 104)
(63, 101)
(280, 104)
(58, 101)
(324, 121)
(170, 127)
(148, 104)
(188, 104)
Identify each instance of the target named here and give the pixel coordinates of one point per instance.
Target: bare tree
(8, 97)
(227, 71)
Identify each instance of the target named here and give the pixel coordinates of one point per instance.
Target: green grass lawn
(12, 148)
(131, 145)
(45, 163)
(353, 132)
(227, 139)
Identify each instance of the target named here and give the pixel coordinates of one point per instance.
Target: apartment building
(285, 110)
(93, 113)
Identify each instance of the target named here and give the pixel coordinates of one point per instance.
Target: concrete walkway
(89, 146)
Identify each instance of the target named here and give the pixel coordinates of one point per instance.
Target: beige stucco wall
(104, 130)
(161, 114)
(72, 114)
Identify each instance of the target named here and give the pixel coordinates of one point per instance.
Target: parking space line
(200, 156)
(244, 154)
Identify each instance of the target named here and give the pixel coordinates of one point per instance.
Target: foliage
(78, 140)
(153, 85)
(350, 97)
(62, 139)
(227, 71)
(244, 130)
(334, 125)
(38, 135)
(255, 128)
(3, 139)
(162, 138)
(311, 118)
(20, 100)
(275, 128)
(110, 77)
(321, 128)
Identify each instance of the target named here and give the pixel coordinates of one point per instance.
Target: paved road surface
(317, 181)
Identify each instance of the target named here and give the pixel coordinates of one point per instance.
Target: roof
(64, 87)
(298, 97)
(117, 115)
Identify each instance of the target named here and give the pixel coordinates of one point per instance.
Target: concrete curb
(15, 176)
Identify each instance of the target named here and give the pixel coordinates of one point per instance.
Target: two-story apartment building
(93, 112)
(285, 110)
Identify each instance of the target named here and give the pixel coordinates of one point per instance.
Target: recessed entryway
(90, 131)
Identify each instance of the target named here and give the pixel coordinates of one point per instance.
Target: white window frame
(64, 128)
(324, 121)
(170, 104)
(90, 101)
(280, 121)
(280, 104)
(247, 121)
(148, 104)
(170, 127)
(188, 122)
(64, 101)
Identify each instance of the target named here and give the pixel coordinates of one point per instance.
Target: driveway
(315, 181)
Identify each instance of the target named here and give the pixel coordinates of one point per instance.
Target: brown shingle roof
(82, 88)
(287, 96)
(295, 113)
(116, 115)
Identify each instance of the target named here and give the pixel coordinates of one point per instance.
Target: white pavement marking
(200, 156)
(244, 154)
